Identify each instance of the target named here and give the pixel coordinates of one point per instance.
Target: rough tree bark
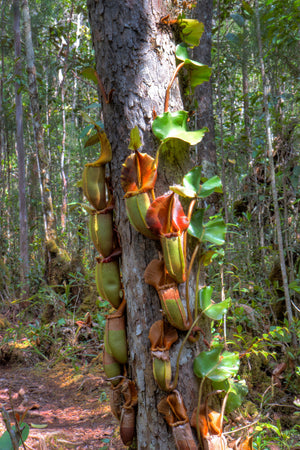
(135, 56)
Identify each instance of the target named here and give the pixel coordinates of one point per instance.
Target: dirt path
(67, 408)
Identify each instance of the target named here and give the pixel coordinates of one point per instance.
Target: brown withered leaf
(247, 444)
(156, 274)
(162, 336)
(177, 406)
(208, 420)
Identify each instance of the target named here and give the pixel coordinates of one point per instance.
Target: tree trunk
(50, 231)
(273, 178)
(24, 258)
(203, 93)
(135, 56)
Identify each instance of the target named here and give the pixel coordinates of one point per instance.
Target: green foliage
(212, 231)
(214, 311)
(5, 440)
(216, 366)
(174, 126)
(197, 73)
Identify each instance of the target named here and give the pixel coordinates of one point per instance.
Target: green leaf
(90, 74)
(237, 392)
(135, 140)
(294, 285)
(191, 31)
(215, 366)
(198, 73)
(213, 184)
(192, 188)
(88, 119)
(238, 19)
(212, 310)
(5, 441)
(183, 191)
(248, 8)
(212, 231)
(174, 126)
(192, 179)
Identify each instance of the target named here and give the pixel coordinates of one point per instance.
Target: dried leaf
(162, 336)
(155, 274)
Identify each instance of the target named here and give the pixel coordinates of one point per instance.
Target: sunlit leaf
(216, 366)
(174, 126)
(191, 31)
(165, 215)
(198, 73)
(183, 191)
(213, 310)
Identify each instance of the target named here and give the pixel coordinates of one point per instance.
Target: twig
(242, 428)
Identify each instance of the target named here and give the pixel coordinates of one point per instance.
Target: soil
(65, 408)
(63, 397)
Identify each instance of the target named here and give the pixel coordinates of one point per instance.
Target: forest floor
(65, 409)
(66, 405)
(54, 378)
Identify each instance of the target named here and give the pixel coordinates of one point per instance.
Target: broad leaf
(183, 191)
(192, 179)
(213, 184)
(192, 188)
(165, 215)
(215, 366)
(191, 31)
(5, 441)
(174, 126)
(212, 231)
(237, 392)
(198, 73)
(212, 310)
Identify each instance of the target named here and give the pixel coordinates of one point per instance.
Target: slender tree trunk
(24, 256)
(50, 231)
(135, 56)
(63, 150)
(273, 177)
